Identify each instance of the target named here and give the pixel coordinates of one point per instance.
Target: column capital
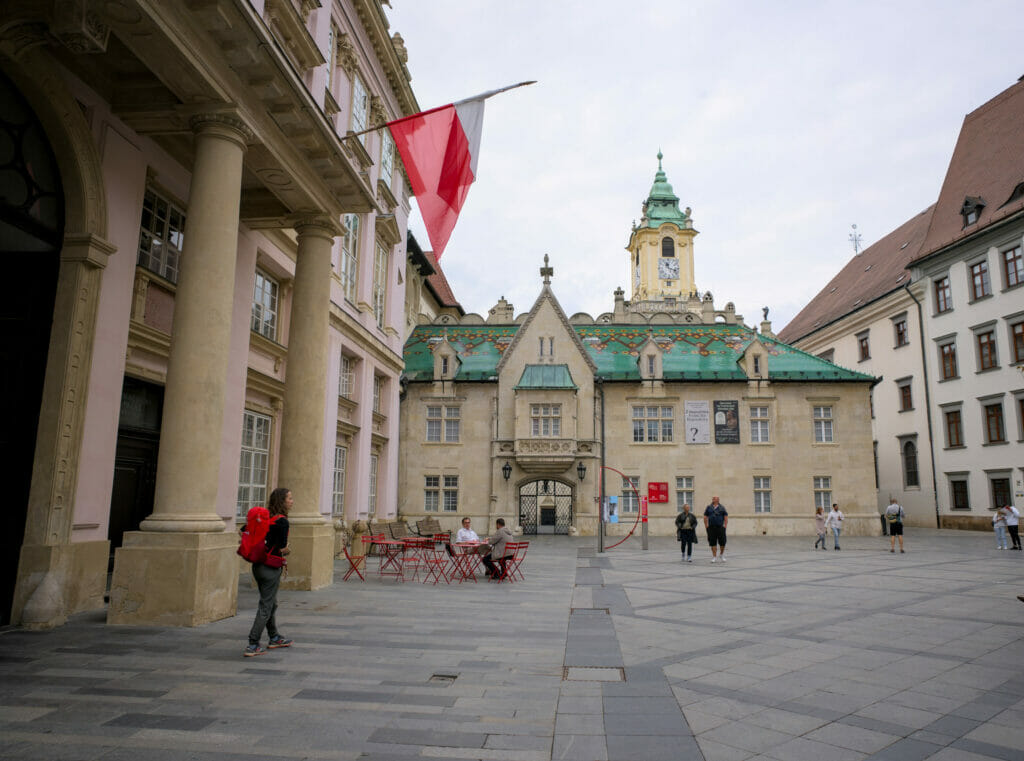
(315, 224)
(226, 124)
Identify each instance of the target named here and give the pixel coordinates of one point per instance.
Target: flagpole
(481, 96)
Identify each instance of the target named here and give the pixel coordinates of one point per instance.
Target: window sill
(864, 359)
(985, 297)
(442, 443)
(944, 311)
(901, 346)
(912, 488)
(995, 443)
(958, 446)
(762, 443)
(906, 409)
(1009, 288)
(986, 370)
(950, 378)
(825, 444)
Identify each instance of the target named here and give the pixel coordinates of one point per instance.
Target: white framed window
(759, 425)
(349, 263)
(652, 423)
(380, 283)
(387, 157)
(431, 493)
(346, 376)
(629, 502)
(264, 306)
(378, 393)
(684, 491)
(371, 497)
(162, 236)
(360, 107)
(255, 461)
(823, 492)
(338, 486)
(762, 494)
(546, 419)
(823, 424)
(444, 423)
(451, 494)
(332, 56)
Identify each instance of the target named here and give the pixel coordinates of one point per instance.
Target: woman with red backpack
(268, 575)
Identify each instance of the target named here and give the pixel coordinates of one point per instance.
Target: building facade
(213, 300)
(535, 417)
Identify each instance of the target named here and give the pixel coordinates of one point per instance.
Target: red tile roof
(988, 162)
(874, 272)
(439, 285)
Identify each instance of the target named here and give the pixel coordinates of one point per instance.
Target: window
(444, 367)
(668, 247)
(906, 398)
(630, 501)
(954, 429)
(431, 493)
(684, 491)
(162, 236)
(378, 393)
(349, 255)
(757, 364)
(863, 347)
(338, 487)
(451, 494)
(264, 306)
(959, 496)
(823, 492)
(652, 423)
(360, 107)
(986, 350)
(650, 365)
(759, 430)
(1017, 340)
(1013, 267)
(332, 56)
(1020, 418)
(346, 377)
(1000, 492)
(828, 356)
(387, 158)
(980, 284)
(444, 418)
(823, 425)
(943, 295)
(910, 475)
(995, 433)
(762, 494)
(947, 352)
(380, 282)
(253, 468)
(371, 496)
(902, 336)
(546, 419)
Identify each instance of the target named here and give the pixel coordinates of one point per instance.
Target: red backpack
(253, 546)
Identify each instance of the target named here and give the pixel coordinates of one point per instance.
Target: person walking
(835, 522)
(268, 576)
(1012, 524)
(819, 526)
(716, 519)
(894, 516)
(999, 526)
(686, 532)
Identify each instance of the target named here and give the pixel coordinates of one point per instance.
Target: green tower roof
(662, 205)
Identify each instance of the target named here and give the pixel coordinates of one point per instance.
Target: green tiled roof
(689, 352)
(546, 376)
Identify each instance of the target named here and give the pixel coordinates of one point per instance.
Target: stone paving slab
(782, 654)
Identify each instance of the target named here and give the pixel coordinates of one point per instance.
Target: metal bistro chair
(505, 564)
(515, 564)
(415, 550)
(369, 548)
(435, 564)
(354, 564)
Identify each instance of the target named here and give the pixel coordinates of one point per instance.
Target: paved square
(783, 653)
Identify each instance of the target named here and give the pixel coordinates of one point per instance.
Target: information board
(697, 418)
(727, 422)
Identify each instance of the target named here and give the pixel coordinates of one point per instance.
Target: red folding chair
(354, 564)
(505, 564)
(414, 552)
(516, 562)
(435, 564)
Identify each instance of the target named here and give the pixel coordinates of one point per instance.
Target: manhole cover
(444, 678)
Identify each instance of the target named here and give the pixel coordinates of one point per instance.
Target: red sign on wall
(657, 491)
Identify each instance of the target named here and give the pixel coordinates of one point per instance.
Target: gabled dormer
(754, 360)
(649, 360)
(446, 360)
(971, 209)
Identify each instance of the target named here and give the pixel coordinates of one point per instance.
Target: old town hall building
(666, 395)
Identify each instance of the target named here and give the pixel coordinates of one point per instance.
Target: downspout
(601, 490)
(927, 401)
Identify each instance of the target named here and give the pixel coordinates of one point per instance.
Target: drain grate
(589, 611)
(443, 678)
(593, 674)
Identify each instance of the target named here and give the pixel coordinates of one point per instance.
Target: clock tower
(661, 247)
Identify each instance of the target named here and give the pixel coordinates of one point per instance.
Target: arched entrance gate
(545, 507)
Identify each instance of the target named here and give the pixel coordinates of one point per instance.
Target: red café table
(466, 558)
(391, 552)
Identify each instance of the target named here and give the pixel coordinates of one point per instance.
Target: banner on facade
(727, 422)
(697, 417)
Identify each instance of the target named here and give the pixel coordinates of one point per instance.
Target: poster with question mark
(697, 418)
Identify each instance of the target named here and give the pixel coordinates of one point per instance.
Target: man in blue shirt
(715, 521)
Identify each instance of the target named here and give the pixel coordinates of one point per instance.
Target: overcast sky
(782, 124)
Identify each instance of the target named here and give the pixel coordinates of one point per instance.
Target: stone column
(181, 569)
(311, 539)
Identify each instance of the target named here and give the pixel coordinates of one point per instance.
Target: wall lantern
(581, 470)
(506, 470)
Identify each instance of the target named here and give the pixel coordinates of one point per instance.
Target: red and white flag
(440, 148)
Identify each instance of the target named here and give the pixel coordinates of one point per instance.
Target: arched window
(910, 477)
(668, 247)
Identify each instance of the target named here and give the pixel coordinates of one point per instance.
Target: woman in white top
(835, 522)
(999, 526)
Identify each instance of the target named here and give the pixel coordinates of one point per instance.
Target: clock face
(668, 269)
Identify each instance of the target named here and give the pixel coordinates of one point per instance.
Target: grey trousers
(268, 580)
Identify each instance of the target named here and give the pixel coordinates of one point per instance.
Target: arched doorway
(545, 507)
(31, 235)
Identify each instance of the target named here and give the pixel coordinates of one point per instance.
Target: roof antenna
(855, 240)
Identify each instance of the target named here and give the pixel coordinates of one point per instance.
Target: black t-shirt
(277, 535)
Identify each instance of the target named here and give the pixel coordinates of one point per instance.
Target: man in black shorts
(715, 521)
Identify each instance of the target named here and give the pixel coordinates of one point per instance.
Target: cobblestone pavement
(783, 653)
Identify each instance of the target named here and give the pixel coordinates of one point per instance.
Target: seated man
(466, 534)
(497, 544)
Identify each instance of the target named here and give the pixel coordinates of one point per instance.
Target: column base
(311, 561)
(172, 579)
(57, 581)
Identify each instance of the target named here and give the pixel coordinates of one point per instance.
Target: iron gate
(545, 507)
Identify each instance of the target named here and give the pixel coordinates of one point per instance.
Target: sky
(781, 123)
